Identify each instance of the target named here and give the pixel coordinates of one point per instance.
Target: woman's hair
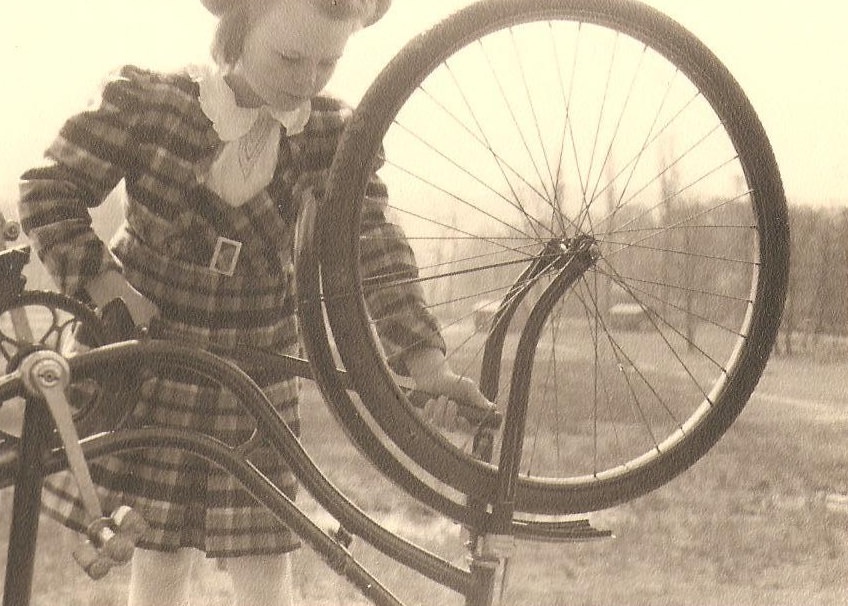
(236, 18)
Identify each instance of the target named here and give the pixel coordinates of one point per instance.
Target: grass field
(758, 521)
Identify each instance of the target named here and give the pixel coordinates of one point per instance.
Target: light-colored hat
(219, 7)
(379, 10)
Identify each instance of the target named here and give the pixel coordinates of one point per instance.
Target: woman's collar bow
(230, 120)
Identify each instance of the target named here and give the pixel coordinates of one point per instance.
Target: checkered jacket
(150, 132)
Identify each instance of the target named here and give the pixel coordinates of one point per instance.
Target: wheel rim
(652, 354)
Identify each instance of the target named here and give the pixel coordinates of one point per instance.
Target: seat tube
(483, 575)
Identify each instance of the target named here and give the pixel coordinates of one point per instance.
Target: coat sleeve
(393, 295)
(392, 290)
(85, 162)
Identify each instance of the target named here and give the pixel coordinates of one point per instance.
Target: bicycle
(626, 172)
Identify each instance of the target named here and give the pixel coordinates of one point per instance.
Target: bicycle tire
(735, 242)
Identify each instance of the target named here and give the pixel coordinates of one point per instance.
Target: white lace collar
(244, 165)
(232, 121)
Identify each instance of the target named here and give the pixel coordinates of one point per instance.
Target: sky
(790, 57)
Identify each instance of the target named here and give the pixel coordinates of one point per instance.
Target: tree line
(815, 316)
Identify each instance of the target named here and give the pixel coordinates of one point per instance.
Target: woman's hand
(111, 285)
(433, 375)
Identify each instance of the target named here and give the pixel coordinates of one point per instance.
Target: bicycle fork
(569, 259)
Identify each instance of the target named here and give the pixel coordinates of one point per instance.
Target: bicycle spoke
(628, 178)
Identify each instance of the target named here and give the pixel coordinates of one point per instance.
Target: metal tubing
(258, 485)
(20, 562)
(576, 263)
(493, 350)
(483, 571)
(278, 434)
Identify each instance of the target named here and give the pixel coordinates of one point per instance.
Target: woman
(216, 162)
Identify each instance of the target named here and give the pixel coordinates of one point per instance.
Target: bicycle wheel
(587, 187)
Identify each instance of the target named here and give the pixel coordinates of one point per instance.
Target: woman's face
(290, 53)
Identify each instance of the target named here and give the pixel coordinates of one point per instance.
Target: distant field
(750, 524)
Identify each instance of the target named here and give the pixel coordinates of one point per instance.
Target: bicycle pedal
(95, 564)
(129, 523)
(100, 531)
(119, 549)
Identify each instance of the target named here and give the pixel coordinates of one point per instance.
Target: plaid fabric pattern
(186, 501)
(150, 132)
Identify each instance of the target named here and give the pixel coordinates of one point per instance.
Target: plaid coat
(150, 132)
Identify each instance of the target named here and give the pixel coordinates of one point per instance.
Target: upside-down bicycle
(601, 230)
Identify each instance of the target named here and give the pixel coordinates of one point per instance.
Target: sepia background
(789, 57)
(761, 520)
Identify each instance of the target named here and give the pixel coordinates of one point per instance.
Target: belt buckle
(226, 256)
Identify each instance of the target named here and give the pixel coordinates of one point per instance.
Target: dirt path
(793, 385)
(815, 410)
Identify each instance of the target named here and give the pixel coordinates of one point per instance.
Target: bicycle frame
(36, 455)
(742, 194)
(38, 459)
